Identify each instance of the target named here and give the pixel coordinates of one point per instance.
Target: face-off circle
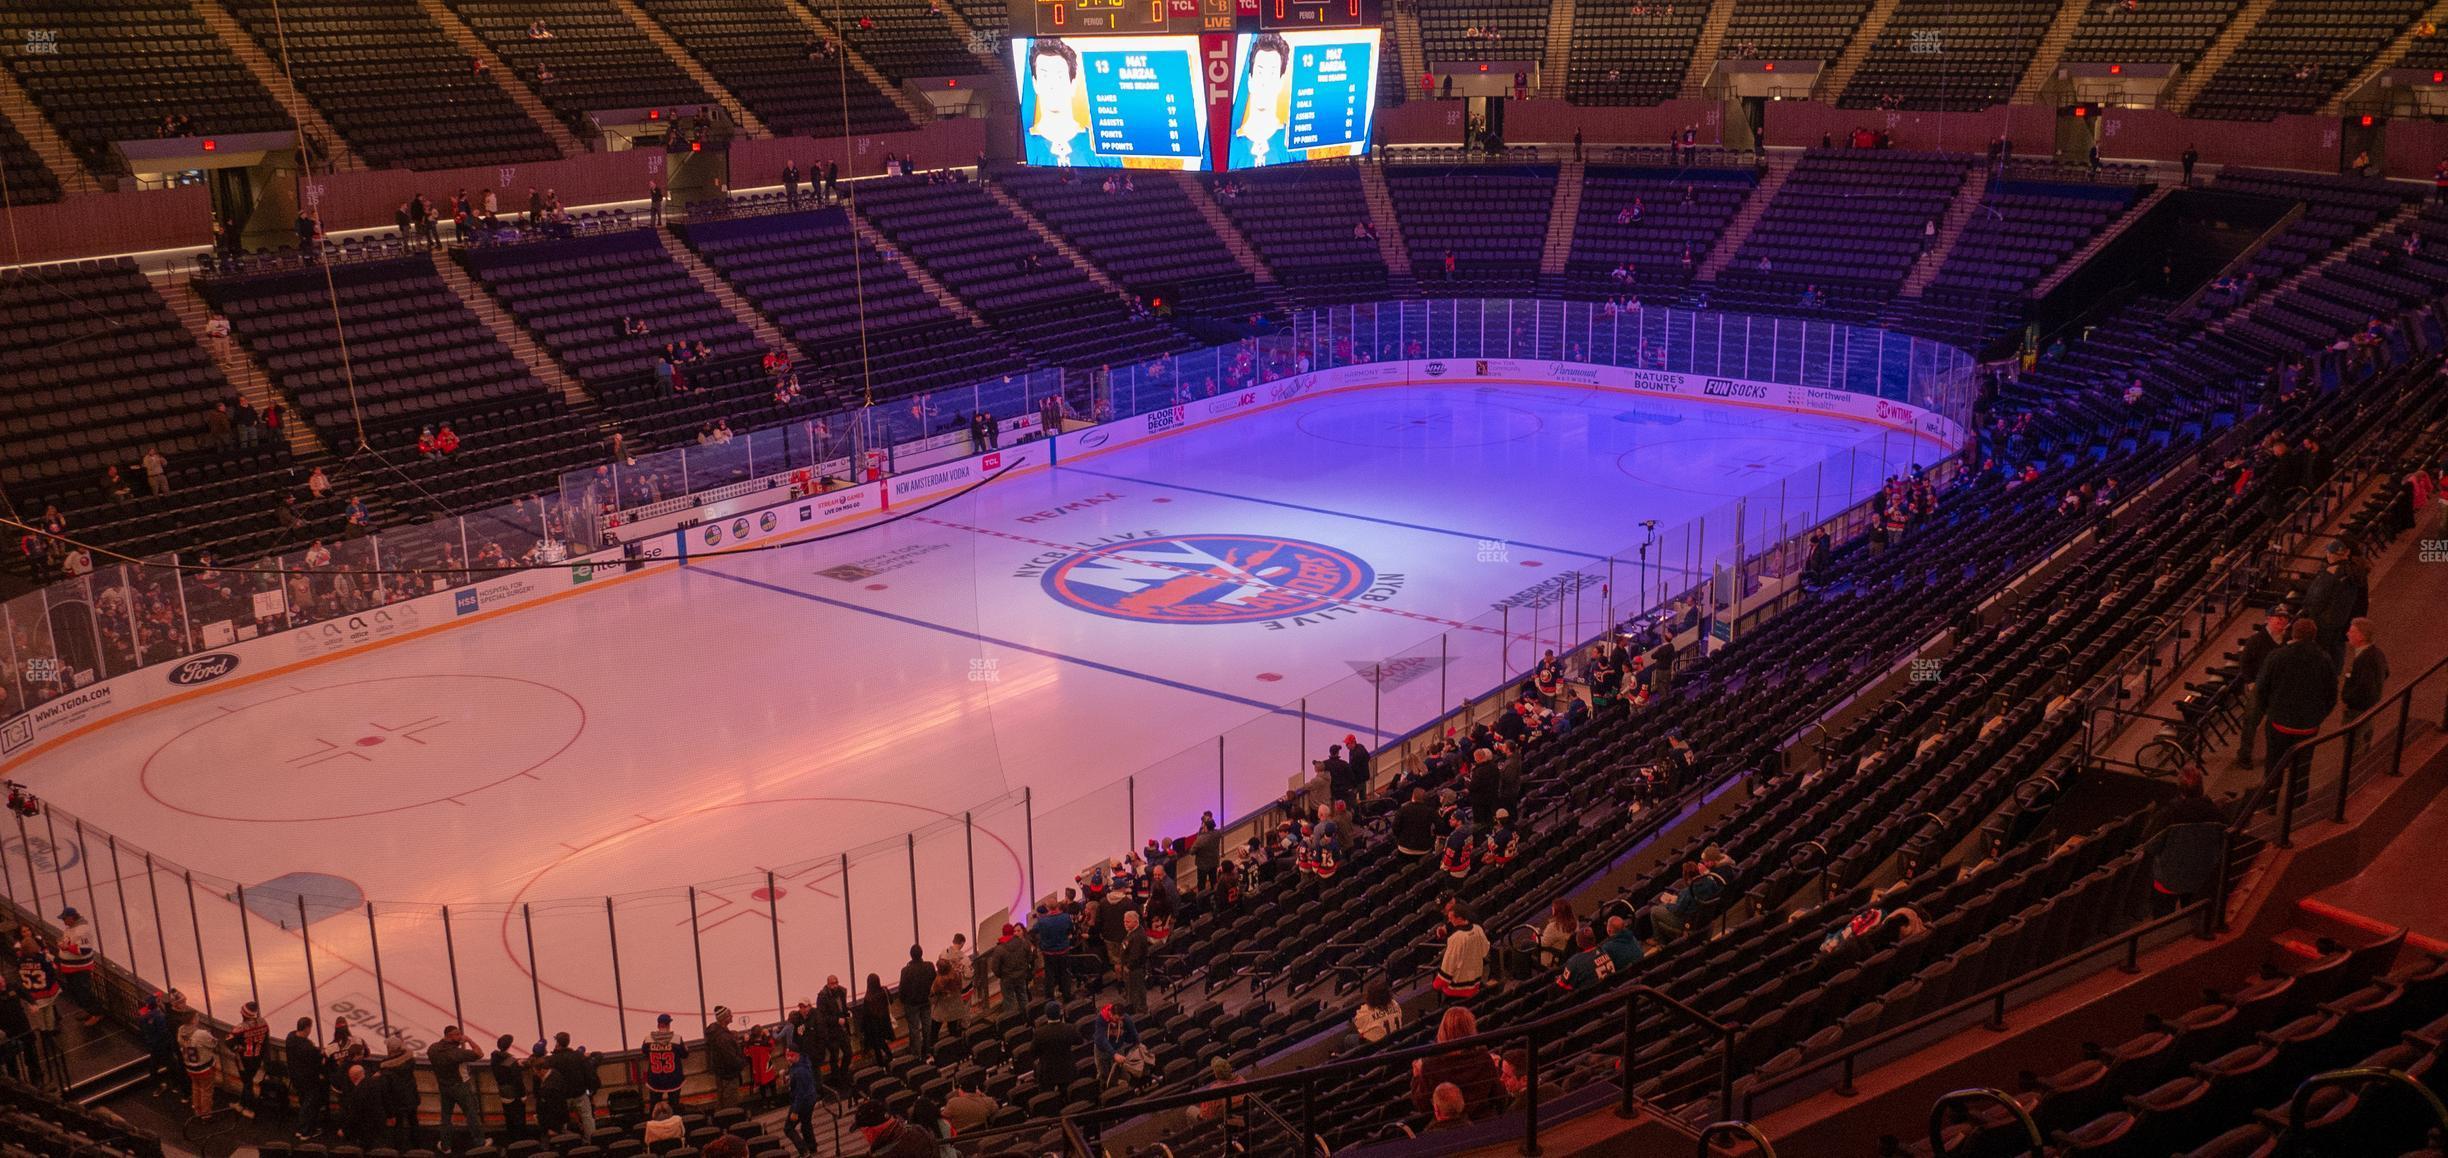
(663, 926)
(363, 748)
(1208, 579)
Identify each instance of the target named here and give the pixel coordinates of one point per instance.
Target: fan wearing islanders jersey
(662, 1056)
(37, 982)
(75, 952)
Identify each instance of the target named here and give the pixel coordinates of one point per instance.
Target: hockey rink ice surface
(794, 729)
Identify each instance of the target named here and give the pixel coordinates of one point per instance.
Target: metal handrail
(1994, 996)
(2299, 758)
(1628, 1001)
(1759, 1141)
(2031, 1129)
(2290, 1140)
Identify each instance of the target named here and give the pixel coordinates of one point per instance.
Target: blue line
(1107, 668)
(1331, 513)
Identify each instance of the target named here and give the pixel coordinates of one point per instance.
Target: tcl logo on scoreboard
(1216, 57)
(1183, 9)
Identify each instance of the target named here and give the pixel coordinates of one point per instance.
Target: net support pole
(127, 928)
(59, 872)
(535, 968)
(382, 997)
(450, 959)
(161, 940)
(246, 941)
(314, 992)
(696, 954)
(93, 899)
(25, 844)
(195, 926)
(620, 1004)
(773, 922)
(849, 930)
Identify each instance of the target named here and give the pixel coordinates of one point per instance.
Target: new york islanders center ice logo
(1208, 579)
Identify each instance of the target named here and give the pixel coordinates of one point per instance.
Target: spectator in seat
(1055, 1043)
(917, 991)
(1555, 937)
(2335, 594)
(969, 1108)
(1461, 849)
(1469, 1070)
(875, 1021)
(1623, 945)
(446, 441)
(509, 1078)
(664, 1126)
(1013, 961)
(2249, 658)
(1446, 1104)
(2298, 688)
(726, 1059)
(2186, 834)
(798, 1124)
(1463, 968)
(1587, 969)
(361, 1108)
(2367, 669)
(1415, 826)
(1677, 907)
(890, 1137)
(537, 31)
(1117, 1043)
(950, 1001)
(1515, 1074)
(303, 1065)
(1378, 1015)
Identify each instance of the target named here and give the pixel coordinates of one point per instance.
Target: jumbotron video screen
(1198, 85)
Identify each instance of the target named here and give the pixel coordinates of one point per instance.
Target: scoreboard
(1194, 84)
(1038, 18)
(1282, 15)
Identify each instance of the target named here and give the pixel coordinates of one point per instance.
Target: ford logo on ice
(203, 669)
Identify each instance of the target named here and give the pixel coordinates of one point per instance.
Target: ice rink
(814, 736)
